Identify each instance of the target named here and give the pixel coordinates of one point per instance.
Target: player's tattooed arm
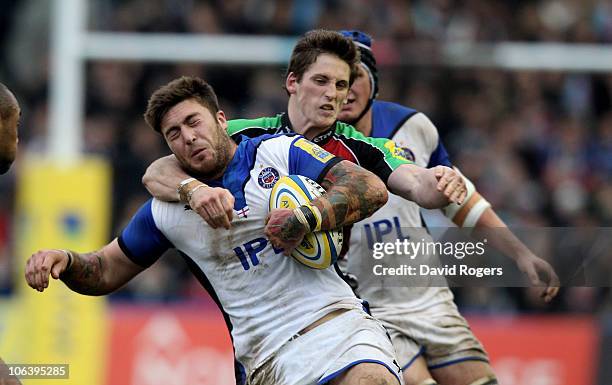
(353, 194)
(85, 273)
(284, 230)
(96, 273)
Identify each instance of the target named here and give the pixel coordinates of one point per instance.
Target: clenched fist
(43, 263)
(214, 204)
(450, 183)
(284, 230)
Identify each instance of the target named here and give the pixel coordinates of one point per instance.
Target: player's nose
(189, 134)
(330, 92)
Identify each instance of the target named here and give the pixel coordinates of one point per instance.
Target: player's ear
(222, 119)
(291, 83)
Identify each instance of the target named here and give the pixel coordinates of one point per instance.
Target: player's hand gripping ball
(318, 250)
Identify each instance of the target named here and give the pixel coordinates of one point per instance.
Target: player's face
(357, 98)
(321, 91)
(197, 138)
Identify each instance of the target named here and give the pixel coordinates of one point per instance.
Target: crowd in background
(537, 144)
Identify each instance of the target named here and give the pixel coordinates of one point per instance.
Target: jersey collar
(321, 139)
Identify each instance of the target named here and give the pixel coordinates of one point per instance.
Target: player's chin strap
(467, 213)
(488, 380)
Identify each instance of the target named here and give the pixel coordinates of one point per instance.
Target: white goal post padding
(72, 45)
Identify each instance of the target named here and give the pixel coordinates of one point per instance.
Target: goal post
(73, 45)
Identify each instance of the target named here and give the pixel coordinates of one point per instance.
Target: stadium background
(537, 143)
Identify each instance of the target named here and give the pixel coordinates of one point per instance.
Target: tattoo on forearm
(86, 273)
(350, 196)
(292, 229)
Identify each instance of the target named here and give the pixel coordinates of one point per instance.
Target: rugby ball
(318, 250)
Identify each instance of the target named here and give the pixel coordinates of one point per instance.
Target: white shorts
(440, 334)
(327, 351)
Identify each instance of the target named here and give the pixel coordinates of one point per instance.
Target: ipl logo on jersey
(267, 177)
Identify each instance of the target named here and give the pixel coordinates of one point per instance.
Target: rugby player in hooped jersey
(322, 66)
(290, 324)
(433, 341)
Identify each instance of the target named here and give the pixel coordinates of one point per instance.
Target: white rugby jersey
(266, 297)
(417, 139)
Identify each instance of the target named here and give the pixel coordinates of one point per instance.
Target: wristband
(193, 190)
(301, 218)
(69, 254)
(317, 214)
(181, 189)
(309, 216)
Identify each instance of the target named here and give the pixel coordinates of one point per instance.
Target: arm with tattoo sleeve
(96, 273)
(353, 194)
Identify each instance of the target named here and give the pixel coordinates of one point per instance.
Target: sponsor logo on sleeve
(314, 150)
(403, 153)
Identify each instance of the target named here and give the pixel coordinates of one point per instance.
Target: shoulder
(236, 126)
(271, 140)
(385, 107)
(388, 117)
(348, 131)
(422, 126)
(267, 144)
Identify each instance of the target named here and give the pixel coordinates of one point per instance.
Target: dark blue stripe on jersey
(141, 240)
(195, 269)
(439, 157)
(238, 171)
(388, 117)
(306, 164)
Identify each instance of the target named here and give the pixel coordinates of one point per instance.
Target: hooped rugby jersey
(378, 155)
(416, 138)
(266, 297)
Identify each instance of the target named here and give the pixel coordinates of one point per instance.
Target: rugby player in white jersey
(9, 121)
(433, 341)
(289, 324)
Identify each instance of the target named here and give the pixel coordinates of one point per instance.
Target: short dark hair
(173, 93)
(320, 41)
